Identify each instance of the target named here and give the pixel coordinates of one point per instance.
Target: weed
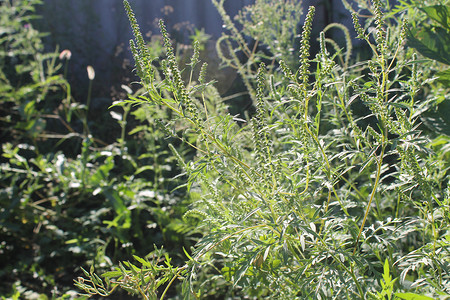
(311, 199)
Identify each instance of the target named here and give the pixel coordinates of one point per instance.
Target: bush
(332, 190)
(68, 198)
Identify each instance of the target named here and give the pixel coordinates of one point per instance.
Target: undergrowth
(67, 197)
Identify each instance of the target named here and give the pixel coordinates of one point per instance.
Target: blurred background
(97, 32)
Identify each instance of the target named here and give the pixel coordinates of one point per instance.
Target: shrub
(68, 198)
(333, 189)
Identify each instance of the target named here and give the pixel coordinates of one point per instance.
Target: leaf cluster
(68, 197)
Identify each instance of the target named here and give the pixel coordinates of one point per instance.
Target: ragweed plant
(331, 191)
(271, 26)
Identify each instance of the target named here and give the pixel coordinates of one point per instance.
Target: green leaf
(386, 276)
(111, 274)
(85, 272)
(431, 42)
(102, 172)
(144, 168)
(444, 77)
(187, 254)
(412, 296)
(115, 200)
(439, 13)
(438, 118)
(142, 261)
(243, 268)
(227, 273)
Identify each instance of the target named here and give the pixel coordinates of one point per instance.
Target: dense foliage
(69, 198)
(334, 186)
(333, 189)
